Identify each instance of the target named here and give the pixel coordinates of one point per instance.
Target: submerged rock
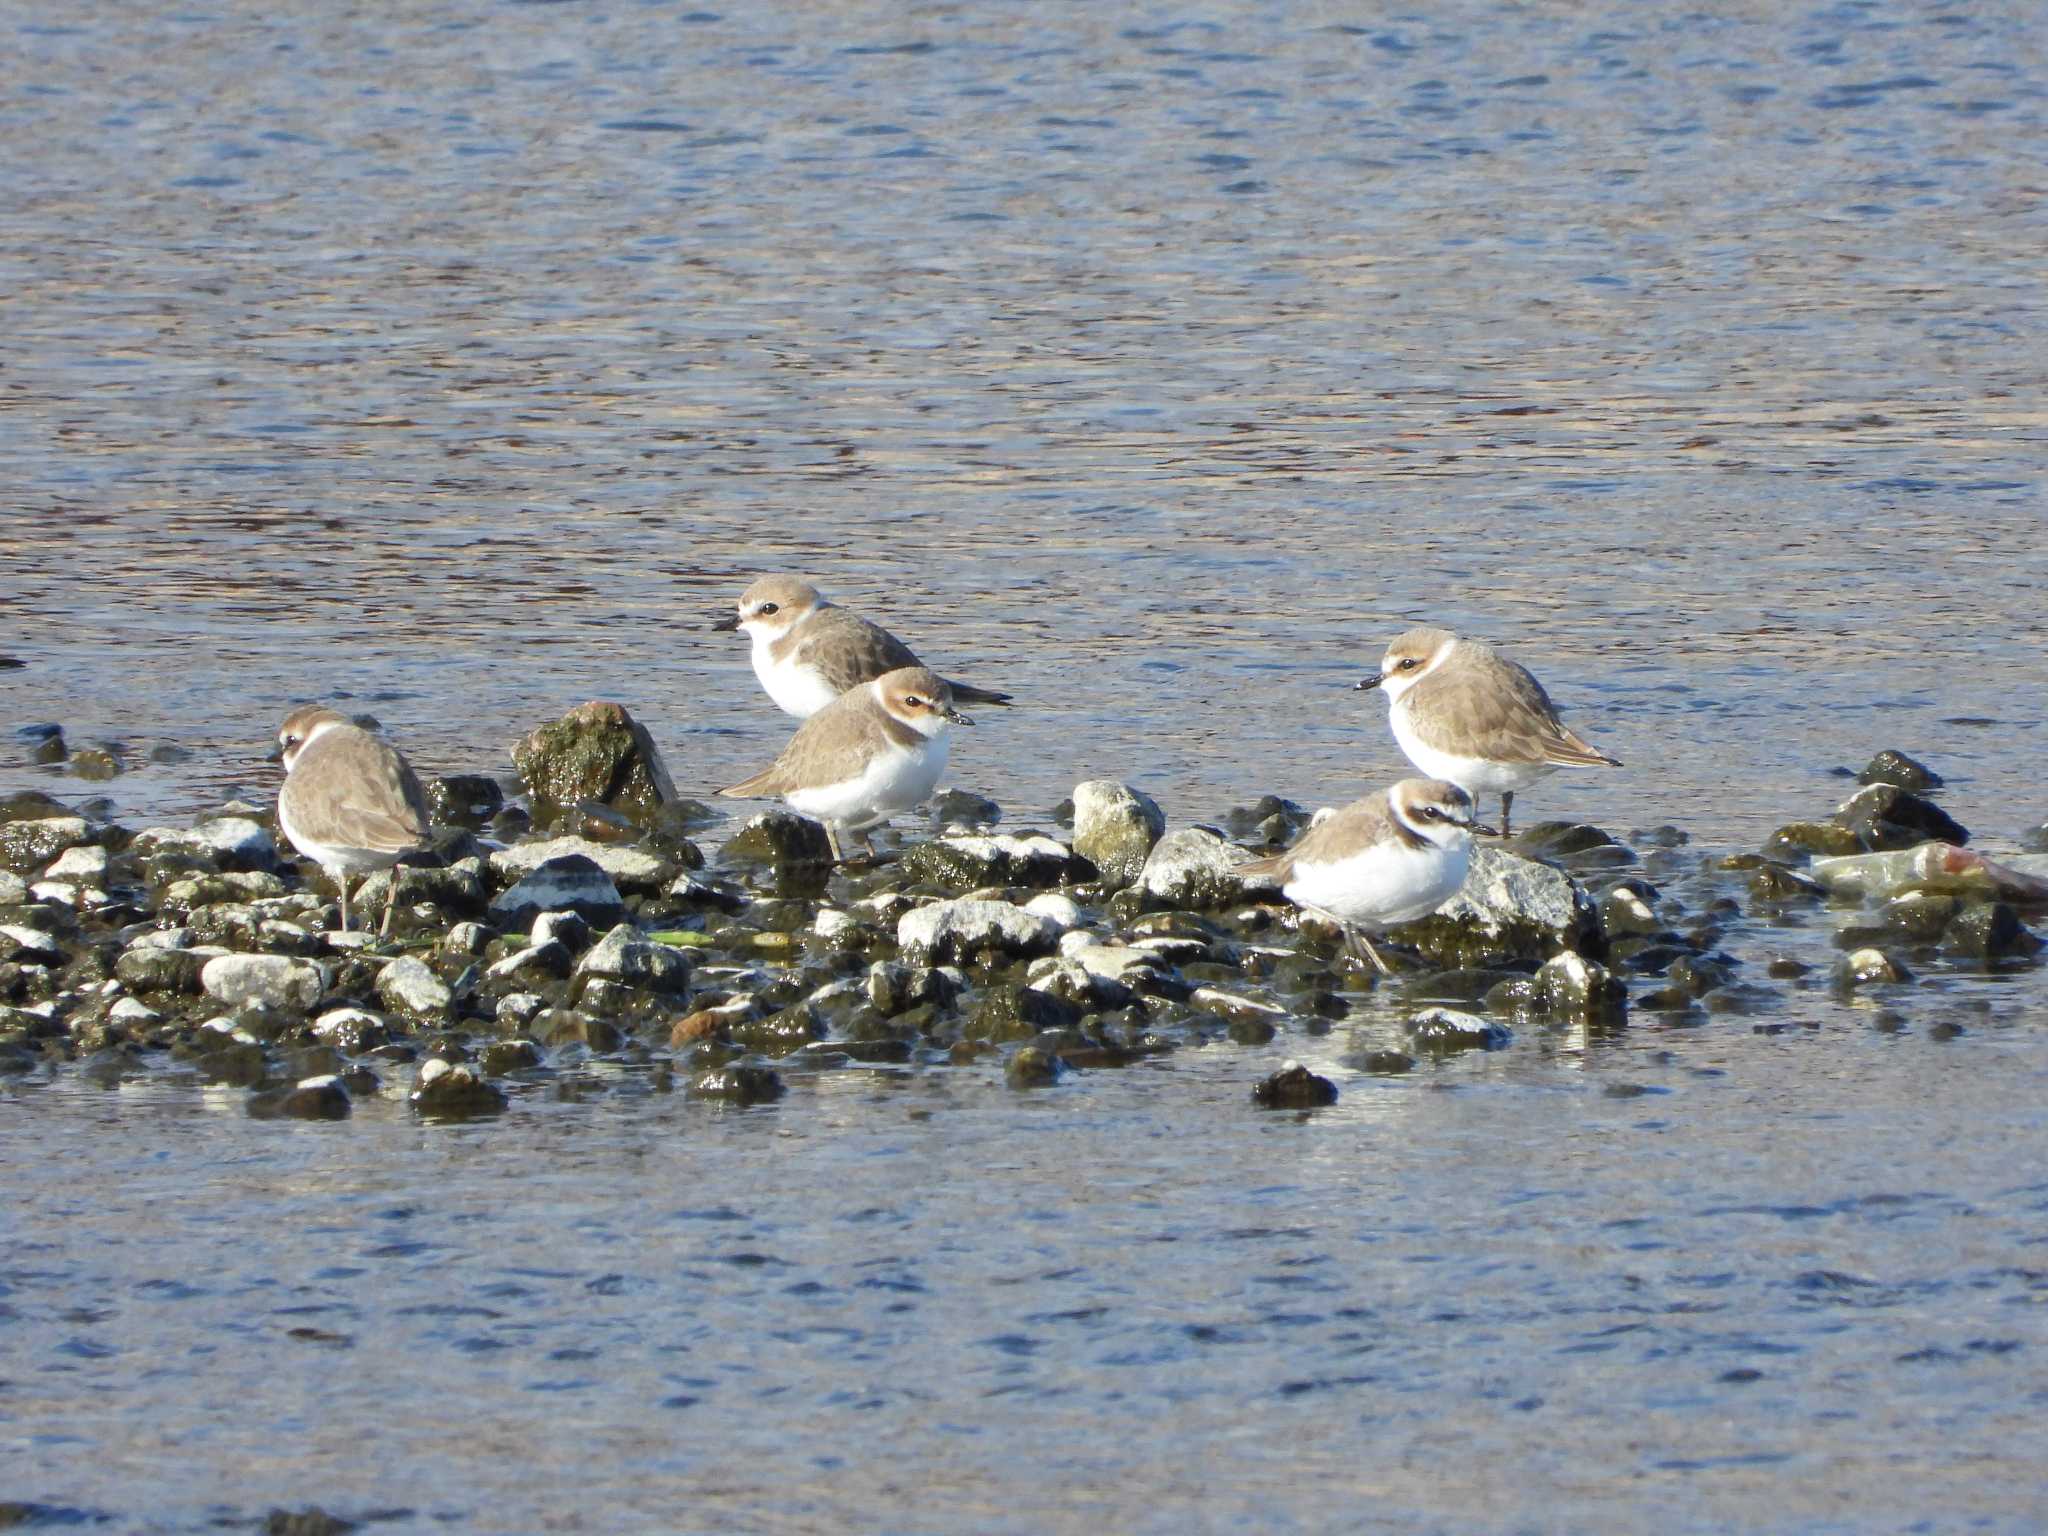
(1115, 829)
(598, 752)
(453, 1090)
(312, 1098)
(1294, 1087)
(738, 1085)
(1871, 967)
(1510, 909)
(1442, 1031)
(1033, 1067)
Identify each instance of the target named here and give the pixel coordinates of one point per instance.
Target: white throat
(1394, 684)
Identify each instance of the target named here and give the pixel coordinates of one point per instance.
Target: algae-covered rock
(598, 752)
(780, 837)
(777, 1034)
(1294, 1087)
(1988, 929)
(1115, 829)
(408, 986)
(1510, 909)
(571, 883)
(1195, 869)
(1011, 1012)
(738, 1085)
(1033, 1067)
(26, 846)
(1812, 839)
(1443, 1031)
(960, 930)
(1883, 816)
(969, 862)
(1568, 986)
(464, 799)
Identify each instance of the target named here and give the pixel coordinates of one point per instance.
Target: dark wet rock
(1812, 839)
(1077, 984)
(1567, 986)
(152, 969)
(894, 988)
(569, 884)
(351, 1031)
(779, 1033)
(1871, 967)
(962, 808)
(579, 1027)
(1268, 821)
(1564, 841)
(968, 863)
(30, 804)
(312, 1098)
(738, 1085)
(1011, 1012)
(96, 764)
(1988, 930)
(454, 1091)
(1775, 882)
(624, 956)
(1294, 1087)
(960, 930)
(311, 1521)
(1912, 917)
(1033, 1067)
(780, 837)
(535, 965)
(1697, 975)
(464, 799)
(1624, 911)
(1197, 870)
(1115, 828)
(451, 888)
(631, 871)
(1900, 771)
(1511, 908)
(1235, 1008)
(503, 1056)
(409, 987)
(595, 752)
(283, 982)
(1442, 1031)
(1884, 816)
(26, 846)
(567, 929)
(21, 945)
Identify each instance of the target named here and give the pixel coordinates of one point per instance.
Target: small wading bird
(1464, 712)
(350, 803)
(808, 650)
(1389, 858)
(871, 752)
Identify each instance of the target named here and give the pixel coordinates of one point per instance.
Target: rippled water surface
(1156, 363)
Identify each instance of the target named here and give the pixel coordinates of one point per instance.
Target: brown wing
(1356, 827)
(1502, 714)
(834, 745)
(350, 789)
(847, 650)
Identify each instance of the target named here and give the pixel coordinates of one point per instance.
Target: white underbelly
(1475, 775)
(336, 861)
(797, 690)
(1385, 884)
(899, 779)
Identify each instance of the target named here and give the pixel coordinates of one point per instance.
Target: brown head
(920, 698)
(300, 727)
(1410, 658)
(771, 605)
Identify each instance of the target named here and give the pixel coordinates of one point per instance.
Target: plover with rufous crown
(1389, 858)
(1464, 712)
(877, 749)
(350, 802)
(808, 650)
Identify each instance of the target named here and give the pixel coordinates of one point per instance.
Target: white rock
(223, 836)
(1063, 910)
(13, 889)
(629, 868)
(1115, 827)
(948, 930)
(407, 986)
(1194, 868)
(130, 1010)
(85, 865)
(276, 981)
(831, 923)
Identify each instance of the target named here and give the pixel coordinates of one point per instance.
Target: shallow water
(1157, 364)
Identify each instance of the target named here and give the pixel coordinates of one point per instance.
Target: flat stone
(948, 930)
(570, 884)
(29, 946)
(232, 842)
(630, 869)
(283, 982)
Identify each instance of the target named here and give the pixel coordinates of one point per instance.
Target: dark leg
(1507, 798)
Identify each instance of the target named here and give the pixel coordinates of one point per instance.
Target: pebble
(283, 982)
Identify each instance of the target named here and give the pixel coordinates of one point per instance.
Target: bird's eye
(767, 608)
(1409, 663)
(912, 701)
(1432, 813)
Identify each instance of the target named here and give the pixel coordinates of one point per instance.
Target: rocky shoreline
(588, 923)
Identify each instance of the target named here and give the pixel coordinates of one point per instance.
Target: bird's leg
(1361, 947)
(832, 842)
(342, 881)
(1507, 798)
(390, 901)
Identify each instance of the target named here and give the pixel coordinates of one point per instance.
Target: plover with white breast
(350, 802)
(808, 650)
(1389, 858)
(875, 750)
(1464, 712)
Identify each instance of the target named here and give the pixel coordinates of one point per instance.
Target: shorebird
(877, 749)
(1464, 712)
(1389, 858)
(808, 650)
(350, 802)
